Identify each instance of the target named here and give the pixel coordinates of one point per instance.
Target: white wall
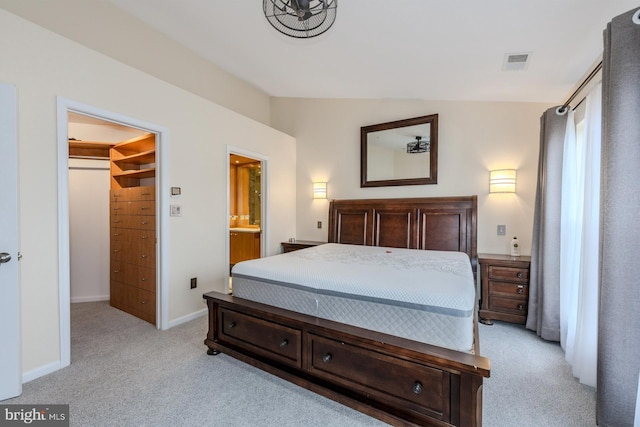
(139, 45)
(89, 182)
(474, 137)
(43, 66)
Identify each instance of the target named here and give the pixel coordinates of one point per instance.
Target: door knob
(4, 257)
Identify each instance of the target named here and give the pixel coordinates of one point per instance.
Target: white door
(10, 363)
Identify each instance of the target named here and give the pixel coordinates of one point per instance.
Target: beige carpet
(124, 372)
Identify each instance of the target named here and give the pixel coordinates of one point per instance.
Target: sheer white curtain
(579, 242)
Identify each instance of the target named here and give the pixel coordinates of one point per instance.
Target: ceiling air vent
(515, 61)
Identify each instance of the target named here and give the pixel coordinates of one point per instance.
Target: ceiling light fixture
(300, 18)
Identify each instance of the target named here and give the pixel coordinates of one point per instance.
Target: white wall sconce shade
(502, 181)
(319, 190)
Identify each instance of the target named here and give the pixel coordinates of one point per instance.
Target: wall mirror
(404, 152)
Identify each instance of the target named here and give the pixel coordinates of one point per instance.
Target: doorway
(90, 140)
(246, 207)
(67, 108)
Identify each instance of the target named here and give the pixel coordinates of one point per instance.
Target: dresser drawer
(133, 193)
(140, 222)
(133, 208)
(424, 389)
(139, 256)
(135, 238)
(268, 339)
(508, 305)
(135, 275)
(134, 300)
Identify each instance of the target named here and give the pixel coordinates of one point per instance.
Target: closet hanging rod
(586, 81)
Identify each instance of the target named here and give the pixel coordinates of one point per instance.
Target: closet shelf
(138, 173)
(141, 158)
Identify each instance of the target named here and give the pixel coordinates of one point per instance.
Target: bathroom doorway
(246, 208)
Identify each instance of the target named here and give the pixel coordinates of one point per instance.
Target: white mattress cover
(427, 296)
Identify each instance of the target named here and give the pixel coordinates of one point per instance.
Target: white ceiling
(416, 49)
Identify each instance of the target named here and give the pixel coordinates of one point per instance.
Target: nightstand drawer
(508, 289)
(508, 305)
(509, 273)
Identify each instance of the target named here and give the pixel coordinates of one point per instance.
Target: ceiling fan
(418, 146)
(300, 18)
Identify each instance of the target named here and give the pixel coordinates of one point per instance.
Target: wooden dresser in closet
(133, 227)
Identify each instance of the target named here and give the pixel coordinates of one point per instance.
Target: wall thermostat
(175, 191)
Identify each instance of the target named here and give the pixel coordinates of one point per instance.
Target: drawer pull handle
(520, 307)
(232, 325)
(520, 289)
(144, 256)
(144, 237)
(144, 301)
(327, 358)
(519, 275)
(144, 208)
(284, 343)
(116, 221)
(417, 387)
(144, 279)
(116, 271)
(143, 222)
(116, 234)
(116, 251)
(144, 194)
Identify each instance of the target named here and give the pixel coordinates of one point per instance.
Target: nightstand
(299, 244)
(504, 288)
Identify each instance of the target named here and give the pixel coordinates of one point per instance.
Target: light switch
(176, 210)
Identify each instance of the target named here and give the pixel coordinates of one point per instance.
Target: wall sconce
(502, 181)
(319, 190)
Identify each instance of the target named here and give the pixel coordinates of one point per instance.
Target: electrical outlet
(194, 282)
(502, 230)
(319, 224)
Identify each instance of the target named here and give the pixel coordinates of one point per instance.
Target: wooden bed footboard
(398, 381)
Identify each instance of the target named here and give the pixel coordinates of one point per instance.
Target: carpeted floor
(124, 372)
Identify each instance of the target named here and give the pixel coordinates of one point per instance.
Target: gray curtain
(544, 289)
(619, 321)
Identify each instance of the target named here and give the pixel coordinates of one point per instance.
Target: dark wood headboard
(439, 223)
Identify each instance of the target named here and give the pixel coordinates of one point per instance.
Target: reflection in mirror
(404, 152)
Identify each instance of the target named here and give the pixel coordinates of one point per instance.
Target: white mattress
(426, 296)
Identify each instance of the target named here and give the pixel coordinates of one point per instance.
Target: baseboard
(94, 298)
(41, 371)
(187, 318)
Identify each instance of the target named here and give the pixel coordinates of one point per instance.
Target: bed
(383, 318)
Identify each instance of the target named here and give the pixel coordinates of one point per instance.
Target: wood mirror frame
(406, 129)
